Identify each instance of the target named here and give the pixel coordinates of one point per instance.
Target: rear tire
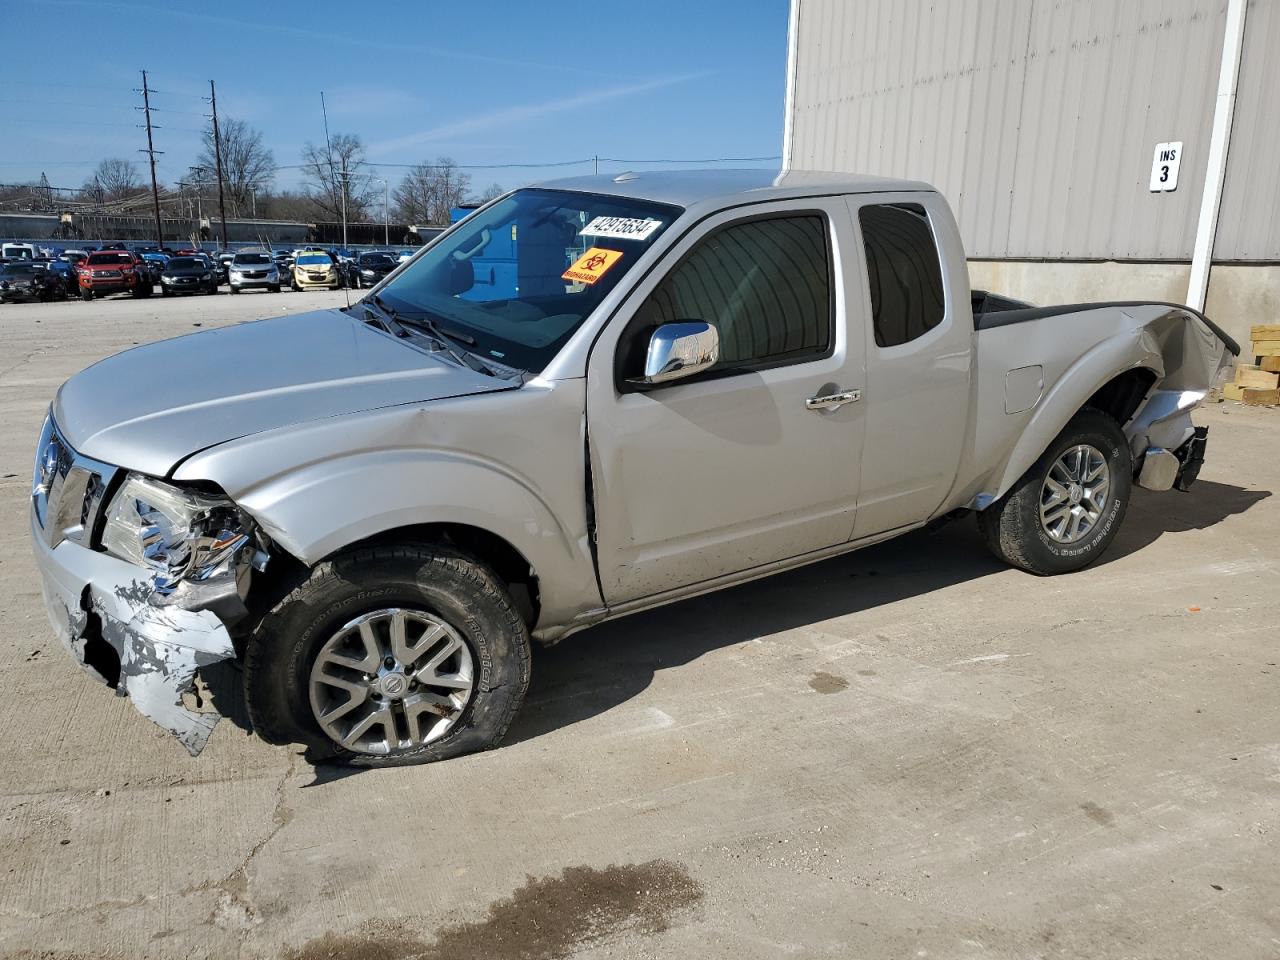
(1049, 522)
(429, 580)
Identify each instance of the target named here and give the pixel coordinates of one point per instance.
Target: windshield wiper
(383, 317)
(425, 323)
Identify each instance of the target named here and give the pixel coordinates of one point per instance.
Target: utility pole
(328, 147)
(386, 211)
(217, 160)
(151, 153)
(345, 186)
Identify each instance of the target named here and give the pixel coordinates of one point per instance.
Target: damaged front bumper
(103, 610)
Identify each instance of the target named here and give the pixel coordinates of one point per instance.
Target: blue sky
(493, 83)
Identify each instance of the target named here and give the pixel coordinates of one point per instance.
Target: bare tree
(489, 192)
(324, 169)
(430, 190)
(289, 205)
(247, 165)
(114, 179)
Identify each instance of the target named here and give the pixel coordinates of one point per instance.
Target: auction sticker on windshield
(592, 265)
(620, 228)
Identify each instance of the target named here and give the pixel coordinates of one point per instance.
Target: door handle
(830, 401)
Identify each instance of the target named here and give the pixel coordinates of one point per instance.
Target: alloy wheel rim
(1074, 495)
(391, 680)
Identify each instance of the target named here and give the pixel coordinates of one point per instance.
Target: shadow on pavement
(603, 667)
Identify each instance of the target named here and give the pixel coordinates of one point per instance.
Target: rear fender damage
(1167, 447)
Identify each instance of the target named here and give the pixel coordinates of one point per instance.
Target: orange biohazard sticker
(592, 265)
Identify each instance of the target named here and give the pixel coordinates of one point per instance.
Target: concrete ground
(907, 752)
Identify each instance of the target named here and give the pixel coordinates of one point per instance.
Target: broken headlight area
(197, 546)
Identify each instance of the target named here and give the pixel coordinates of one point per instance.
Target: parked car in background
(29, 280)
(404, 256)
(372, 268)
(315, 269)
(253, 270)
(110, 271)
(18, 251)
(188, 275)
(714, 376)
(64, 271)
(73, 257)
(216, 265)
(155, 263)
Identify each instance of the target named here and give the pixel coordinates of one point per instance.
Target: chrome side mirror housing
(679, 350)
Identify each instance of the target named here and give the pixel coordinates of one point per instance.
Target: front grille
(107, 274)
(254, 276)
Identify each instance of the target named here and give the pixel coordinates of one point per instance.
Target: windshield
(17, 270)
(314, 260)
(377, 260)
(104, 259)
(251, 258)
(186, 263)
(519, 277)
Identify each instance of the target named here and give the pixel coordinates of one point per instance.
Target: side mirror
(679, 350)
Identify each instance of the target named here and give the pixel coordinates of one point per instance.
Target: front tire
(1063, 512)
(327, 667)
(86, 294)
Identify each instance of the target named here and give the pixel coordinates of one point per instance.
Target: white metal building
(1122, 149)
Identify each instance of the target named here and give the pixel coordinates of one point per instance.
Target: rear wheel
(389, 656)
(1064, 511)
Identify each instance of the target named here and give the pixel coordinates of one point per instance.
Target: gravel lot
(907, 752)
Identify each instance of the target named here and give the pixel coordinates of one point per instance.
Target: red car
(113, 271)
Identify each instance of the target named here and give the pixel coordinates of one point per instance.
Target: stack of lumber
(1258, 383)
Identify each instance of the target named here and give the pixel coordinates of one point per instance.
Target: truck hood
(151, 407)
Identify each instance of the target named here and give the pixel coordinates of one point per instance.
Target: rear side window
(765, 284)
(903, 272)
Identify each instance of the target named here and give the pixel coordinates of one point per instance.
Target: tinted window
(766, 285)
(186, 263)
(315, 260)
(903, 272)
(251, 258)
(104, 259)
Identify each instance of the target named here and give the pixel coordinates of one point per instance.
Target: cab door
(919, 346)
(752, 461)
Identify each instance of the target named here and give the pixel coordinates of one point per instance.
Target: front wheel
(1064, 512)
(390, 656)
(86, 293)
(275, 288)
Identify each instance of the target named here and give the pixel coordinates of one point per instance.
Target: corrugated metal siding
(1249, 221)
(1037, 118)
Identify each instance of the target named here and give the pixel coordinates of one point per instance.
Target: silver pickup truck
(588, 398)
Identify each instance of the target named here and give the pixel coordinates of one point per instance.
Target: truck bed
(994, 310)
